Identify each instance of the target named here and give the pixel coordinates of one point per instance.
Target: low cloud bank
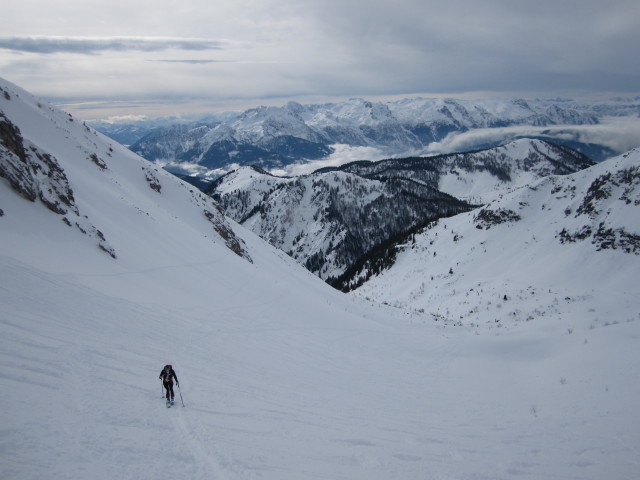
(620, 134)
(341, 154)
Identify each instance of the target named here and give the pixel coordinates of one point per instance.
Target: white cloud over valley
(617, 133)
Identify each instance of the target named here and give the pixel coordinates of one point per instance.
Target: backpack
(167, 376)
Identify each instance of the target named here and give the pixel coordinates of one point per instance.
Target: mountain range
(276, 137)
(500, 342)
(331, 219)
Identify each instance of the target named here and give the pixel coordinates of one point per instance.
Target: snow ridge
(47, 155)
(328, 220)
(559, 244)
(331, 219)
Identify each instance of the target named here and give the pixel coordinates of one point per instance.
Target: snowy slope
(329, 219)
(565, 247)
(282, 377)
(524, 162)
(482, 175)
(76, 172)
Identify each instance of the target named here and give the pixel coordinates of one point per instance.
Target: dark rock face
(33, 173)
(37, 175)
(487, 218)
(13, 159)
(235, 244)
(622, 185)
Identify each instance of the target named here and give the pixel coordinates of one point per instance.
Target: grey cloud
(187, 61)
(293, 49)
(463, 45)
(88, 46)
(617, 133)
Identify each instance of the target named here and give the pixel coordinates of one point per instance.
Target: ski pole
(161, 389)
(180, 392)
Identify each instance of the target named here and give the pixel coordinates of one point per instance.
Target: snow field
(278, 385)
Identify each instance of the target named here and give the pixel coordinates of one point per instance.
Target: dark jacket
(168, 376)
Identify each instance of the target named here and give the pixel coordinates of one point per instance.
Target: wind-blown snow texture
(282, 377)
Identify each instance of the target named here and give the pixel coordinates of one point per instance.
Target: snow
(281, 376)
(462, 271)
(482, 188)
(357, 129)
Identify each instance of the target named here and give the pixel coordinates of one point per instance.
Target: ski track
(378, 400)
(197, 443)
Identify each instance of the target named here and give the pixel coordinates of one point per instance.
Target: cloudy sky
(100, 58)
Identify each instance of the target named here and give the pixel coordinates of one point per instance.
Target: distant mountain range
(275, 137)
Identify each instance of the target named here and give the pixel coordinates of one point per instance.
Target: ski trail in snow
(195, 444)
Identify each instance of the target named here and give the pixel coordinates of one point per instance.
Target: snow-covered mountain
(327, 221)
(479, 176)
(561, 245)
(127, 130)
(282, 377)
(274, 137)
(102, 173)
(332, 218)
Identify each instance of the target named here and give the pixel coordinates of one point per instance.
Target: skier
(167, 375)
